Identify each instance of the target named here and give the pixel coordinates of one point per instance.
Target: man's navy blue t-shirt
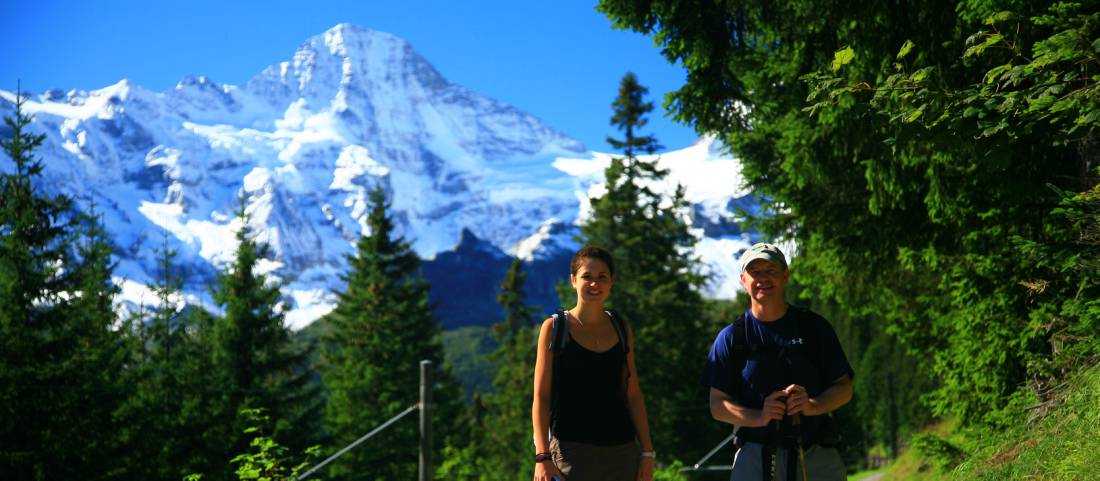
(765, 371)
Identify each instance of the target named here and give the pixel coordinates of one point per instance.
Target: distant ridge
(305, 139)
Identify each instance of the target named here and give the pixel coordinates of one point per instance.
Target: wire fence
(699, 465)
(424, 406)
(360, 440)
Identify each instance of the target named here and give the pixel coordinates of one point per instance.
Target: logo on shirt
(798, 341)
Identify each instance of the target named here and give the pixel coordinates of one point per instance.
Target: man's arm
(725, 409)
(836, 395)
(832, 398)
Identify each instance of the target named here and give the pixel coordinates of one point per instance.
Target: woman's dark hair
(592, 252)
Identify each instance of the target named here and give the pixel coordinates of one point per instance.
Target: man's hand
(773, 408)
(798, 400)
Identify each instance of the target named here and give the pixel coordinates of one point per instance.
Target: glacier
(472, 181)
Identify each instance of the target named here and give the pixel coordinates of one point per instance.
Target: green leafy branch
(267, 460)
(1057, 83)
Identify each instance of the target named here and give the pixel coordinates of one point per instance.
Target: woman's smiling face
(592, 280)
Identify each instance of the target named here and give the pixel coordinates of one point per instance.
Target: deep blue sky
(559, 60)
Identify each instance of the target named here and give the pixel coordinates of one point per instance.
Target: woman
(589, 417)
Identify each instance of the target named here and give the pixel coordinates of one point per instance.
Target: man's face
(764, 281)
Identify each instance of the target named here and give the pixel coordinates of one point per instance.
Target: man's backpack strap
(741, 346)
(620, 329)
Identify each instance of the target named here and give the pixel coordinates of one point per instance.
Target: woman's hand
(547, 470)
(645, 469)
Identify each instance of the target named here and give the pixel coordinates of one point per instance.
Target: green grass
(1061, 445)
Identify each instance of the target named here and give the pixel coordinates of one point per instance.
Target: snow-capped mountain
(469, 178)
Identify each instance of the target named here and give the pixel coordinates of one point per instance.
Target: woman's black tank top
(589, 396)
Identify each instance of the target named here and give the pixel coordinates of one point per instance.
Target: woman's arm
(636, 406)
(540, 408)
(635, 400)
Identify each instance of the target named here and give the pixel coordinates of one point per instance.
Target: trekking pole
(796, 421)
(772, 450)
(771, 454)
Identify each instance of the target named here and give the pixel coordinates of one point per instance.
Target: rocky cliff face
(472, 181)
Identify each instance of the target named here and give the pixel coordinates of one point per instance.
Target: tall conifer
(507, 421)
(382, 328)
(103, 350)
(656, 278)
(54, 357)
(175, 428)
(254, 354)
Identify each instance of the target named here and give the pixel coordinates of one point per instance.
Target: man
(775, 373)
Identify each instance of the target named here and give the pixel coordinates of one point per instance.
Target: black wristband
(540, 457)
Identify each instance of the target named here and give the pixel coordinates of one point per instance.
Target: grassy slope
(861, 475)
(467, 349)
(1063, 445)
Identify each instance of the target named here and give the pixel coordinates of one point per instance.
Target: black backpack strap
(741, 351)
(560, 330)
(741, 347)
(620, 329)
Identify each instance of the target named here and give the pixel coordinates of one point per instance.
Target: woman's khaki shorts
(587, 462)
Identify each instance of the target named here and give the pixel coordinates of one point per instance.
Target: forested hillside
(935, 163)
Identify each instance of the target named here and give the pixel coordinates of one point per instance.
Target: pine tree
(253, 352)
(500, 425)
(630, 109)
(153, 409)
(656, 279)
(507, 422)
(173, 421)
(56, 347)
(104, 349)
(382, 328)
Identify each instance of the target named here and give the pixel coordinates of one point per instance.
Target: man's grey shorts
(822, 464)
